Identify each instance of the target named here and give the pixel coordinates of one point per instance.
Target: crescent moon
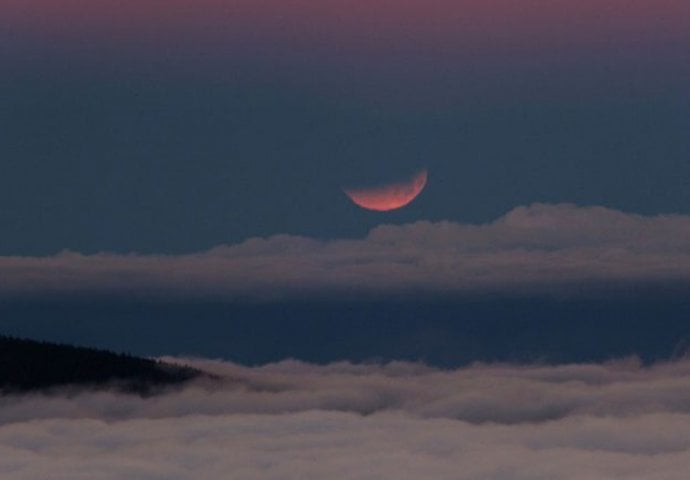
(389, 197)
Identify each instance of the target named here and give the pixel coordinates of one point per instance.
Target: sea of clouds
(291, 420)
(538, 249)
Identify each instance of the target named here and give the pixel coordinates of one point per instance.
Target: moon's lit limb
(389, 197)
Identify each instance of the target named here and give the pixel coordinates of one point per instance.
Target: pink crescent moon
(389, 197)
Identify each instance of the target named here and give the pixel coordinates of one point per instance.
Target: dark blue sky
(114, 140)
(173, 164)
(444, 333)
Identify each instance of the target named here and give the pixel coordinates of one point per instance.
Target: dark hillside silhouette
(27, 365)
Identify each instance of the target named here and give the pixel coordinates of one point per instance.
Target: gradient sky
(172, 159)
(177, 126)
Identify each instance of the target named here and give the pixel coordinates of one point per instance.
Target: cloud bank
(539, 249)
(292, 420)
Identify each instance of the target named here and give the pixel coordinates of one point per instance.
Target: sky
(172, 160)
(175, 127)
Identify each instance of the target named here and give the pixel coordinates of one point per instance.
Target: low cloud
(537, 249)
(293, 420)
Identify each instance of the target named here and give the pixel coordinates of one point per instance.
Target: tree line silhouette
(29, 365)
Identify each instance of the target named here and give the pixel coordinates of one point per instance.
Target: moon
(389, 197)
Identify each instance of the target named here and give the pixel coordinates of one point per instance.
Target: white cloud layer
(342, 421)
(535, 249)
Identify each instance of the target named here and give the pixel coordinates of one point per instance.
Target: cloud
(294, 420)
(539, 249)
